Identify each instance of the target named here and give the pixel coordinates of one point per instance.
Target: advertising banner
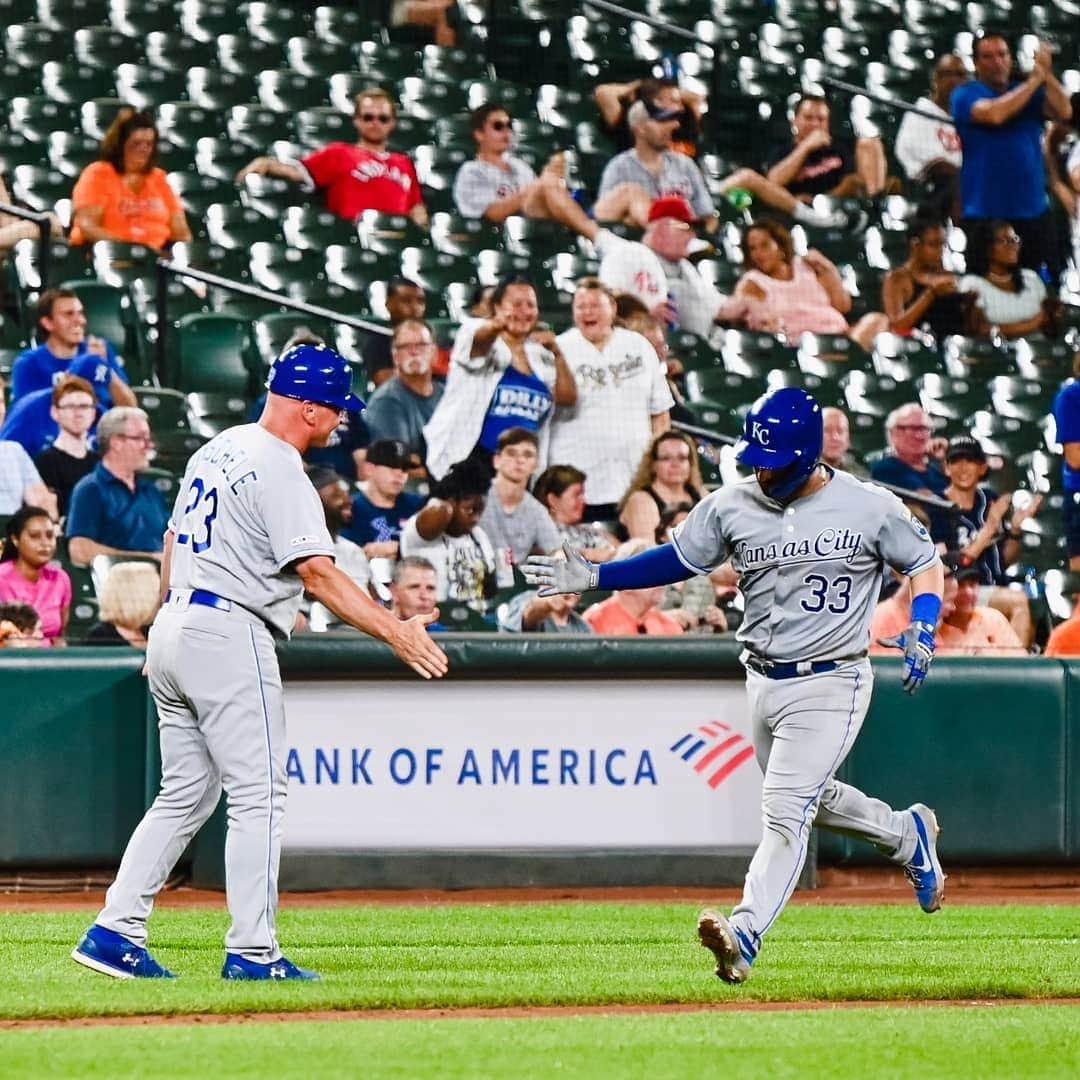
(530, 764)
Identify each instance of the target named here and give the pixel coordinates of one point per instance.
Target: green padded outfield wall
(72, 755)
(993, 745)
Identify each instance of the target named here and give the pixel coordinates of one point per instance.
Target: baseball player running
(246, 538)
(809, 544)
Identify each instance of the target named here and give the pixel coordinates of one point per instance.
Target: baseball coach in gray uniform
(809, 544)
(247, 536)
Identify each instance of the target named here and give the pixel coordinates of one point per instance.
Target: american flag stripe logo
(714, 744)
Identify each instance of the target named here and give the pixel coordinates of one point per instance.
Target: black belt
(203, 598)
(793, 670)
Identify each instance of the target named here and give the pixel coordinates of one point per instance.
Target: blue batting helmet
(314, 373)
(783, 432)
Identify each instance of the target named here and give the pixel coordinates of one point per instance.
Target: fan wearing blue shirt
(61, 324)
(113, 510)
(1000, 123)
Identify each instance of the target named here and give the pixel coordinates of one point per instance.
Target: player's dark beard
(783, 484)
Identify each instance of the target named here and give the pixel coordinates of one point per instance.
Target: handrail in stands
(166, 267)
(44, 223)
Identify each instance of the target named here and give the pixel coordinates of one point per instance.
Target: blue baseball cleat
(110, 953)
(923, 869)
(720, 937)
(236, 967)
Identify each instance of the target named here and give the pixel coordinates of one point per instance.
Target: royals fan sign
(525, 764)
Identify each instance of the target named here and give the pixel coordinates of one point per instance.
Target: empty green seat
(255, 126)
(284, 269)
(213, 412)
(137, 18)
(183, 123)
(211, 88)
(237, 227)
(244, 55)
(205, 21)
(111, 314)
(874, 395)
(220, 158)
(317, 125)
(166, 410)
(755, 354)
(966, 356)
(103, 47)
(70, 152)
(32, 44)
(457, 235)
(434, 270)
(950, 398)
(96, 114)
(275, 23)
(35, 117)
(72, 14)
(286, 91)
(198, 193)
(174, 50)
(213, 354)
(316, 58)
(146, 86)
(270, 333)
(1025, 399)
(40, 188)
(388, 234)
(72, 82)
(272, 195)
(344, 25)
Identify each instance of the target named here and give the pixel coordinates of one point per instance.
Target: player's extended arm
(409, 639)
(575, 574)
(917, 640)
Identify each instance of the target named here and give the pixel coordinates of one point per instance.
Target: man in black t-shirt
(813, 164)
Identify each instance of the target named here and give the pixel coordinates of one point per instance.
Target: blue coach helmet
(314, 373)
(783, 431)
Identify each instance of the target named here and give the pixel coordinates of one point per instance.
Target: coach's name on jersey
(229, 459)
(833, 544)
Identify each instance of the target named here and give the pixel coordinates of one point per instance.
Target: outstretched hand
(555, 574)
(414, 647)
(917, 641)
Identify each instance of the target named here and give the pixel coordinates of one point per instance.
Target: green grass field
(564, 954)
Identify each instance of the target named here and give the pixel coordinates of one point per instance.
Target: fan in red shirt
(354, 177)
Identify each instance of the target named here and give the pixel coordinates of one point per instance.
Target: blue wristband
(925, 608)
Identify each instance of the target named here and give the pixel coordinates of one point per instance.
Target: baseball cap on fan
(658, 112)
(392, 453)
(965, 448)
(672, 206)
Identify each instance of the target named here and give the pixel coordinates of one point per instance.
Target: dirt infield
(515, 1012)
(868, 885)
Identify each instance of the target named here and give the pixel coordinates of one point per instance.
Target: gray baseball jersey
(245, 511)
(811, 571)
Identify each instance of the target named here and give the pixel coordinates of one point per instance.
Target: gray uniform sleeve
(903, 541)
(295, 522)
(699, 541)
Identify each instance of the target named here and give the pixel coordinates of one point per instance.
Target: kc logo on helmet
(759, 433)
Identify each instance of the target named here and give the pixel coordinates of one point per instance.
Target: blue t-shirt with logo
(40, 369)
(29, 420)
(378, 524)
(519, 401)
(1003, 174)
(1067, 419)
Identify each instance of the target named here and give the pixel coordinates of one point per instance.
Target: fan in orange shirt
(1065, 637)
(124, 195)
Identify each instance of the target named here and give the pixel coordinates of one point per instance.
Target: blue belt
(793, 670)
(203, 598)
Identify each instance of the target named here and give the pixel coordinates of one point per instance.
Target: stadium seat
(388, 234)
(212, 413)
(435, 270)
(72, 14)
(206, 20)
(71, 83)
(534, 238)
(272, 195)
(32, 44)
(173, 50)
(965, 356)
(430, 100)
(35, 117)
(1045, 360)
(286, 91)
(103, 47)
(118, 263)
(183, 123)
(255, 126)
(355, 268)
(724, 389)
(1021, 398)
(755, 354)
(16, 149)
(453, 64)
(204, 255)
(563, 107)
(343, 25)
(213, 89)
(167, 482)
(237, 227)
(96, 114)
(111, 314)
(317, 125)
(213, 354)
(146, 87)
(70, 152)
(65, 263)
(316, 58)
(243, 55)
(38, 187)
(457, 235)
(309, 228)
(904, 358)
(948, 398)
(874, 395)
(166, 410)
(831, 355)
(1008, 436)
(221, 158)
(276, 24)
(138, 18)
(286, 270)
(198, 193)
(270, 333)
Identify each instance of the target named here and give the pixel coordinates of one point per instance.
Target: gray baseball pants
(215, 680)
(803, 729)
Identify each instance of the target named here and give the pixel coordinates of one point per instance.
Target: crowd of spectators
(524, 435)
